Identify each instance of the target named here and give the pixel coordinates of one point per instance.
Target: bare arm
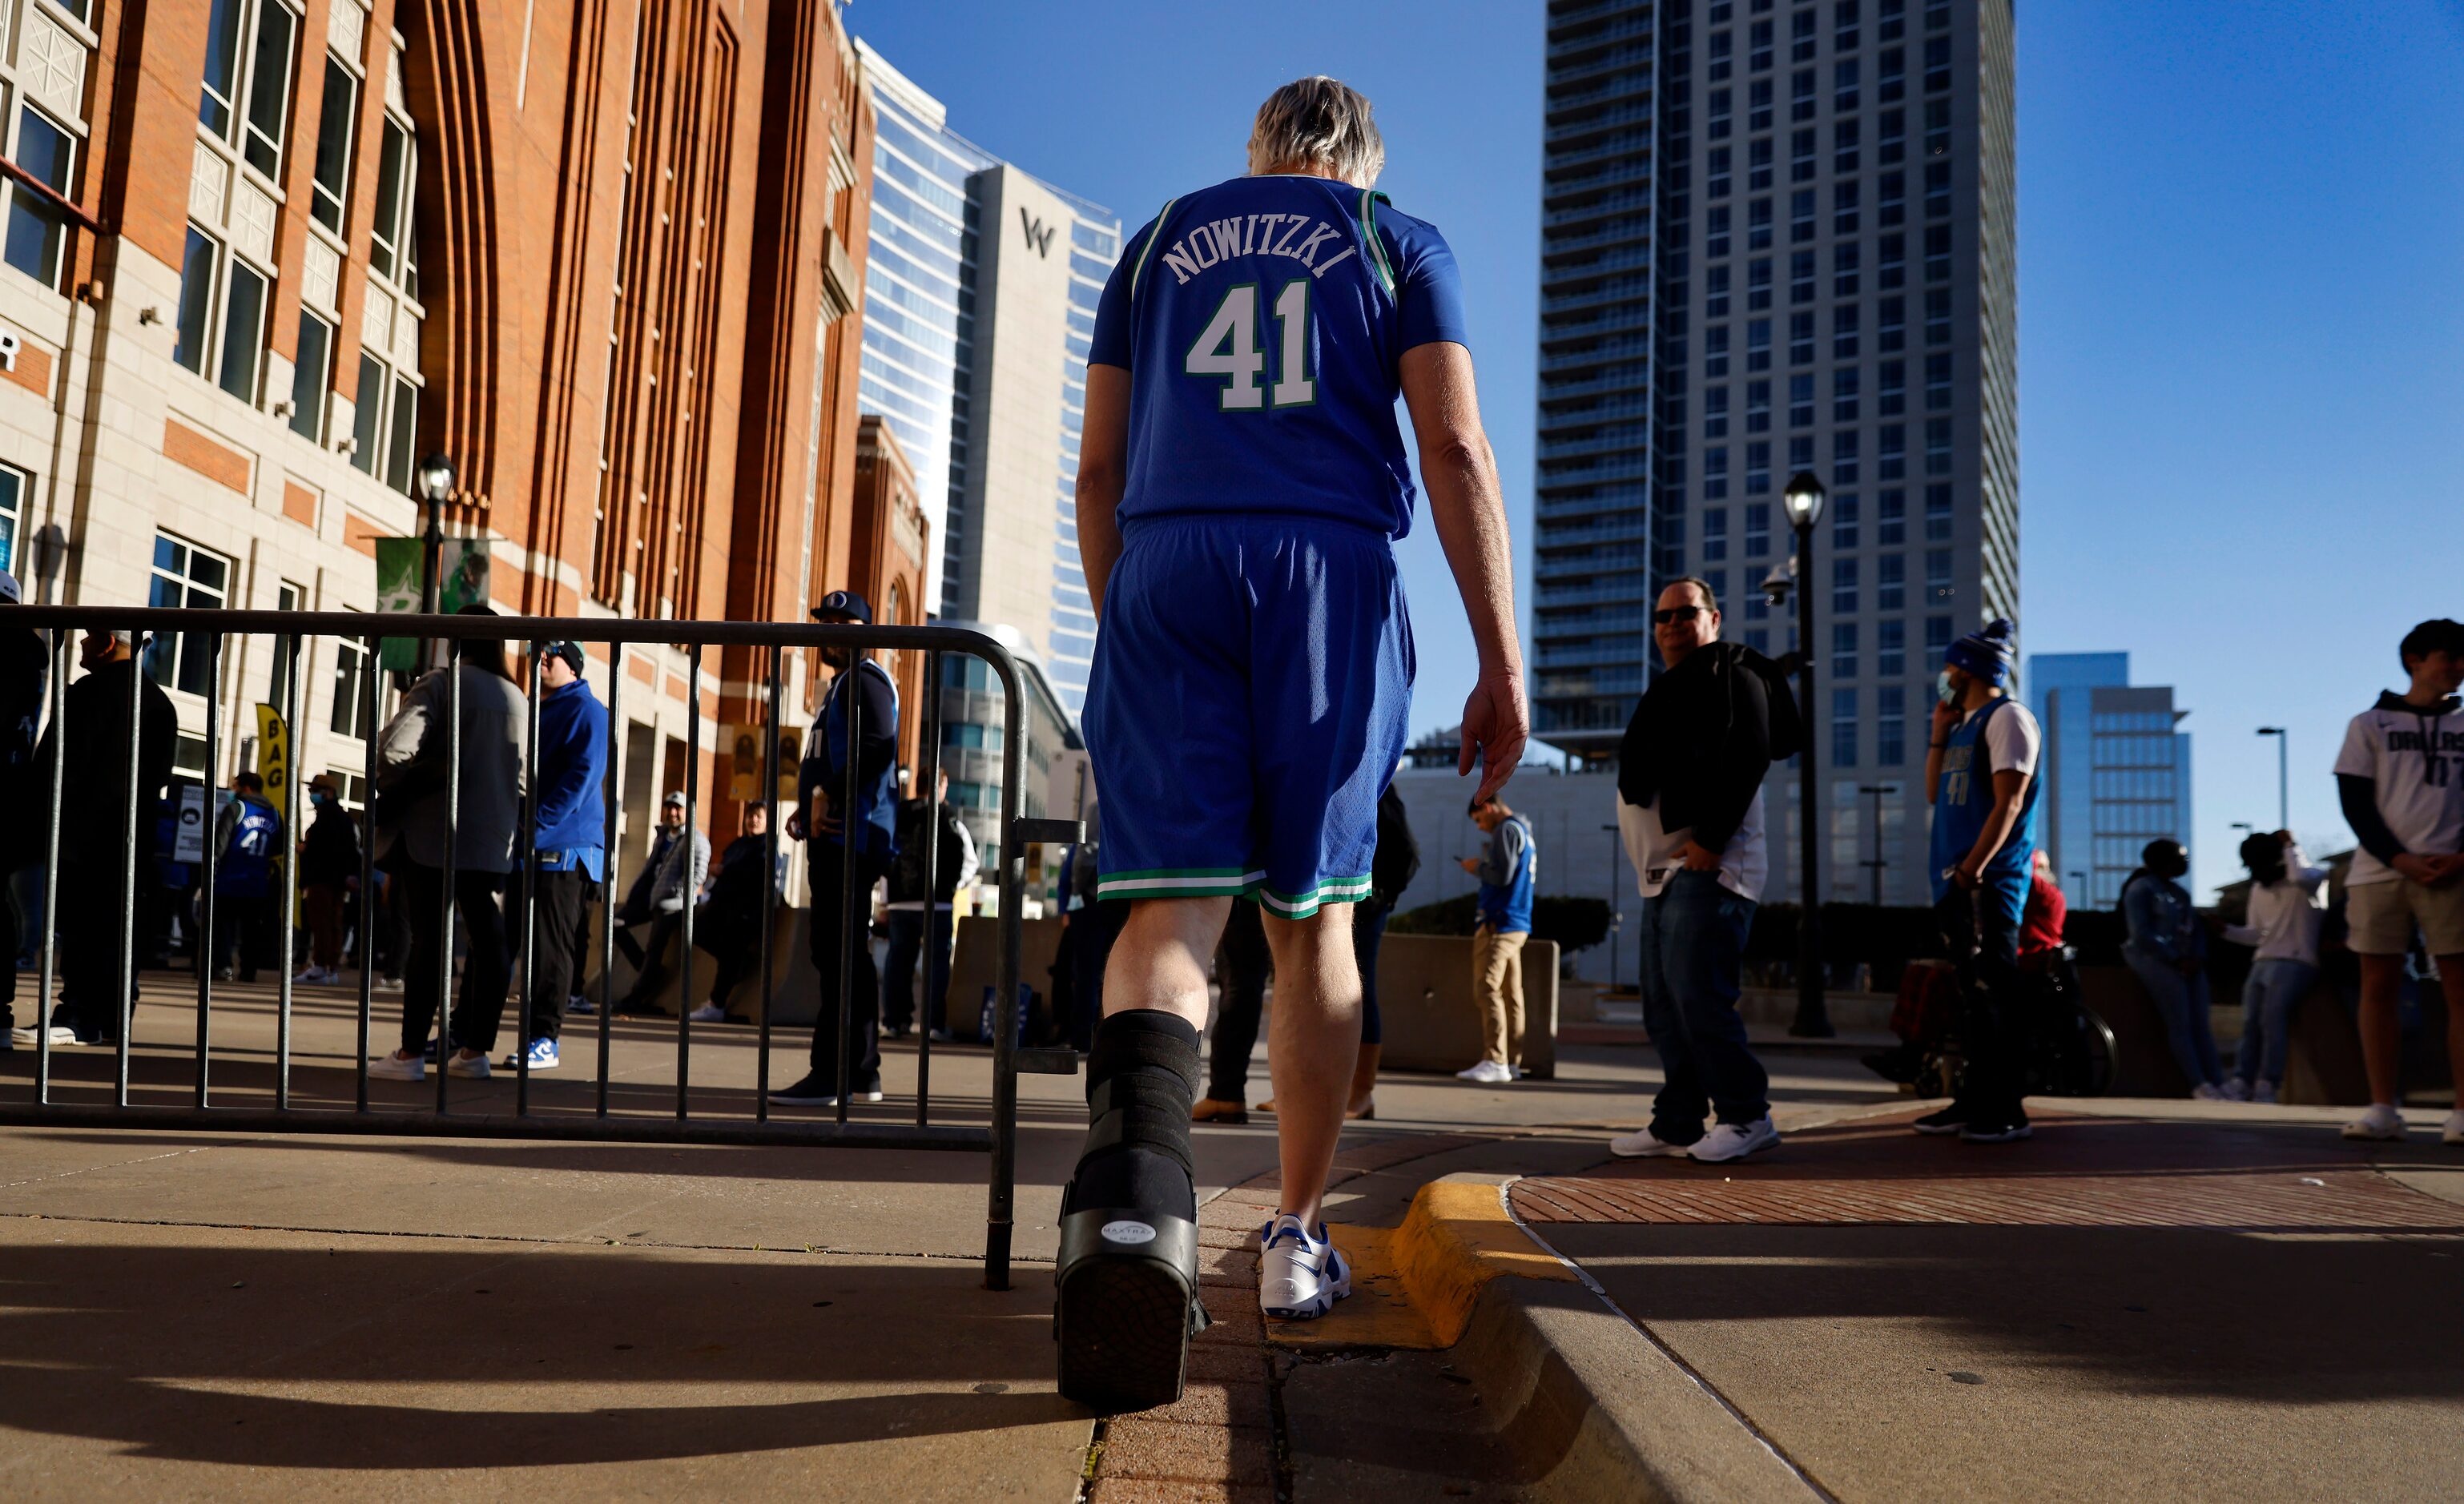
(1103, 471)
(1468, 507)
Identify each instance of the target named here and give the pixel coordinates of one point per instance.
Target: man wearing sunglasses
(1690, 807)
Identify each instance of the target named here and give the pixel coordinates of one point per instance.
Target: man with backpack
(1981, 774)
(1690, 808)
(955, 866)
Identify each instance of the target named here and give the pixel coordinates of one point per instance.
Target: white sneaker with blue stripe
(543, 1056)
(1300, 1277)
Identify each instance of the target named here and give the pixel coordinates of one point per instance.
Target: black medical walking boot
(1124, 1290)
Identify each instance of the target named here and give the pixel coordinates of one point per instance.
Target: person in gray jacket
(412, 830)
(670, 888)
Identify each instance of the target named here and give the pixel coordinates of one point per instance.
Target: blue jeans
(1693, 959)
(2276, 988)
(2183, 1002)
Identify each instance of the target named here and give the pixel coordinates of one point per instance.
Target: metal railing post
(693, 884)
(367, 862)
(613, 788)
(445, 1044)
(928, 735)
(288, 895)
(123, 1006)
(769, 882)
(526, 846)
(203, 941)
(48, 964)
(1013, 900)
(847, 813)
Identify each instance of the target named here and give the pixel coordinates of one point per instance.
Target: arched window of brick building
(386, 421)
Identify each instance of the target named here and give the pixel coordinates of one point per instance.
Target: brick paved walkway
(2078, 1171)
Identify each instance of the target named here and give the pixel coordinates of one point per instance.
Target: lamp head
(1804, 499)
(1776, 584)
(436, 478)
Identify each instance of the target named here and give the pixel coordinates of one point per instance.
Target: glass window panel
(196, 302)
(35, 230)
(269, 89)
(371, 407)
(337, 129)
(310, 378)
(222, 67)
(13, 486)
(391, 161)
(401, 435)
(243, 330)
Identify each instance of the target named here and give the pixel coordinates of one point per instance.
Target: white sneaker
(1734, 1140)
(2264, 1091)
(459, 1064)
(1487, 1073)
(710, 1013)
(1640, 1144)
(2235, 1089)
(2203, 1092)
(2454, 1131)
(393, 1067)
(1300, 1277)
(2381, 1121)
(24, 1034)
(389, 984)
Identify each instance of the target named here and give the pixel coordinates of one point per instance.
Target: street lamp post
(1804, 498)
(2283, 788)
(1876, 864)
(435, 482)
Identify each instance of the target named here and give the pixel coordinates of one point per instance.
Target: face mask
(321, 800)
(1943, 690)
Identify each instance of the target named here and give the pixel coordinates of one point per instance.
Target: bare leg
(1313, 1042)
(2382, 1043)
(1161, 959)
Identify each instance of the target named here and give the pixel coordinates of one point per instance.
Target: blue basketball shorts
(1247, 706)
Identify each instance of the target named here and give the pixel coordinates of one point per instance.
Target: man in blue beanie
(1981, 774)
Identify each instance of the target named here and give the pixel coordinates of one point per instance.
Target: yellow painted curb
(1416, 1285)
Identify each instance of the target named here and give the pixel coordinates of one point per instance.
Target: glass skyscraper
(2115, 773)
(1779, 237)
(936, 294)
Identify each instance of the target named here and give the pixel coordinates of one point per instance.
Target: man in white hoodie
(2288, 900)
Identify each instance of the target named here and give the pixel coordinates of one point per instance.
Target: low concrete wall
(1425, 1000)
(796, 995)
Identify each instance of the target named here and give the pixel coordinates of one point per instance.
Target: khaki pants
(1497, 983)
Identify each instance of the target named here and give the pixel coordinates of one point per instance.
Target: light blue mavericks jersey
(1262, 323)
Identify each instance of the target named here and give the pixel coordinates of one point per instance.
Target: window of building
(1801, 32)
(1800, 339)
(1843, 728)
(1758, 105)
(1937, 370)
(1844, 94)
(1893, 75)
(1843, 587)
(1843, 269)
(1843, 521)
(1715, 535)
(1890, 574)
(1719, 51)
(350, 714)
(1803, 162)
(1893, 261)
(1937, 62)
(1758, 284)
(1715, 230)
(1894, 135)
(1715, 412)
(1758, 225)
(1893, 27)
(1718, 581)
(1758, 165)
(1937, 635)
(1800, 451)
(1716, 112)
(1800, 103)
(1937, 514)
(1758, 45)
(1800, 276)
(46, 147)
(1844, 466)
(1890, 649)
(1894, 385)
(337, 134)
(1844, 650)
(1843, 395)
(1937, 562)
(1937, 442)
(1843, 332)
(1758, 407)
(16, 488)
(1843, 18)
(1891, 325)
(1758, 336)
(1757, 529)
(1892, 452)
(1715, 172)
(1715, 293)
(1715, 473)
(286, 649)
(1800, 401)
(1844, 200)
(1891, 518)
(1890, 722)
(1845, 135)
(185, 575)
(1715, 352)
(1937, 314)
(227, 266)
(1936, 127)
(1800, 210)
(386, 421)
(1758, 467)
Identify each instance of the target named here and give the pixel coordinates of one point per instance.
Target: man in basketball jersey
(1241, 482)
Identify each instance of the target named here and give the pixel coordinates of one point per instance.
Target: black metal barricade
(207, 630)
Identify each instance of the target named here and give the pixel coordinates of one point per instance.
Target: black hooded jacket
(1704, 735)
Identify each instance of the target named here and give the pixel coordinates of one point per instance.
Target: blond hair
(1323, 122)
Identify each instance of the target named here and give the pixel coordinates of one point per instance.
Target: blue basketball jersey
(1262, 323)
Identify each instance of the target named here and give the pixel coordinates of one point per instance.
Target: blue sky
(2241, 242)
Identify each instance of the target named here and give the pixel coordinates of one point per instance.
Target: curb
(1596, 1406)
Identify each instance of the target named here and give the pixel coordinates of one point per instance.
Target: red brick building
(263, 254)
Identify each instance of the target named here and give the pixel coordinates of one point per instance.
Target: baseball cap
(844, 603)
(676, 796)
(10, 590)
